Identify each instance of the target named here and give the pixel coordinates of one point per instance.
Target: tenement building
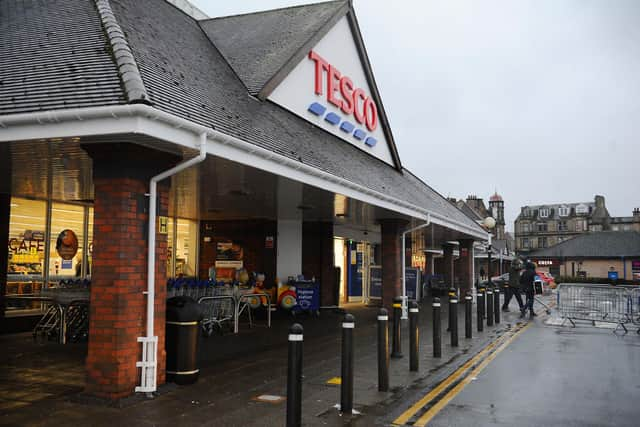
(542, 226)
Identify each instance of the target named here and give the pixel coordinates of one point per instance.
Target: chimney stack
(636, 212)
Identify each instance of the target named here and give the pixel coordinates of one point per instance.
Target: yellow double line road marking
(498, 344)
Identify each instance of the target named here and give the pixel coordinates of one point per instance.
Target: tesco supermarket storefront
(189, 148)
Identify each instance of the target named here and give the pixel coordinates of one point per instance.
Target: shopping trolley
(219, 308)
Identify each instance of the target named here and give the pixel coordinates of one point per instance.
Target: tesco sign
(340, 91)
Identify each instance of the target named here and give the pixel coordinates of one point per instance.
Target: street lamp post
(489, 223)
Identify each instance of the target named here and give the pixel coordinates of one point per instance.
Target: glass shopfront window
(182, 241)
(68, 248)
(186, 247)
(26, 250)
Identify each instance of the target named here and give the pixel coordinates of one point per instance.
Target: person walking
(526, 281)
(513, 288)
(482, 273)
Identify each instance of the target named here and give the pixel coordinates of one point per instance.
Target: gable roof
(185, 75)
(602, 244)
(259, 45)
(54, 54)
(264, 47)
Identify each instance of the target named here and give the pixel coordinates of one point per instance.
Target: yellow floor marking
(433, 411)
(405, 416)
(335, 381)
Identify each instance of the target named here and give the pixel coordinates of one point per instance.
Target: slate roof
(268, 39)
(602, 244)
(554, 210)
(54, 54)
(184, 74)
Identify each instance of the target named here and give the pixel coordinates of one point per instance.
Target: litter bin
(181, 340)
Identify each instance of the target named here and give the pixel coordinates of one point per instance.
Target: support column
(448, 264)
(391, 260)
(465, 265)
(5, 213)
(428, 263)
(121, 174)
(317, 259)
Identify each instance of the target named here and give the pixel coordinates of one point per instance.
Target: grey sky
(538, 99)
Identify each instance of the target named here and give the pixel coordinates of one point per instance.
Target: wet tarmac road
(554, 376)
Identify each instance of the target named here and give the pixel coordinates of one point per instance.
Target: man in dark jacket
(526, 281)
(514, 287)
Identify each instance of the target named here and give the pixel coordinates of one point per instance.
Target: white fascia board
(146, 120)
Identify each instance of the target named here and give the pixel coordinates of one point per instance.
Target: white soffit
(336, 54)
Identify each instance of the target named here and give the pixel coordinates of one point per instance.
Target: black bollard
(346, 384)
(413, 336)
(437, 338)
(383, 350)
(451, 294)
(294, 377)
(468, 301)
(397, 313)
(480, 309)
(496, 304)
(453, 320)
(489, 297)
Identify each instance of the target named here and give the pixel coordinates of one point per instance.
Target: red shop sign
(341, 92)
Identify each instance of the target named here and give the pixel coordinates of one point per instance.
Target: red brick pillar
(317, 259)
(449, 271)
(121, 174)
(391, 260)
(465, 265)
(428, 263)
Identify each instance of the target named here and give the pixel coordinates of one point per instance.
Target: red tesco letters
(342, 94)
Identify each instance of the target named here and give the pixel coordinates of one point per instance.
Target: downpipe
(148, 364)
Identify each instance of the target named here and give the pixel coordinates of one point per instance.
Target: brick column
(121, 174)
(448, 264)
(317, 259)
(5, 212)
(391, 260)
(465, 265)
(428, 258)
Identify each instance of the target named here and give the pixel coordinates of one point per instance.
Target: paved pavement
(237, 368)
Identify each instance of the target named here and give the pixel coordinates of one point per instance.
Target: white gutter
(148, 365)
(131, 120)
(405, 305)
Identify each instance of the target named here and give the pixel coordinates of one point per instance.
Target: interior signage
(341, 92)
(67, 244)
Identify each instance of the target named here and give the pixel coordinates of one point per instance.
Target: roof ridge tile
(128, 71)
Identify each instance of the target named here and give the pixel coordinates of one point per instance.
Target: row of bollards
(488, 306)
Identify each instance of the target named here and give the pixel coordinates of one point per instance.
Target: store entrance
(356, 262)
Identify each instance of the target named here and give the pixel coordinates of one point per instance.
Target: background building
(503, 244)
(593, 255)
(542, 226)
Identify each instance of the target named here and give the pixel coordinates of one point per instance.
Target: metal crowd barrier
(599, 303)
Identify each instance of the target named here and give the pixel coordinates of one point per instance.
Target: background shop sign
(329, 88)
(375, 282)
(412, 282)
(635, 269)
